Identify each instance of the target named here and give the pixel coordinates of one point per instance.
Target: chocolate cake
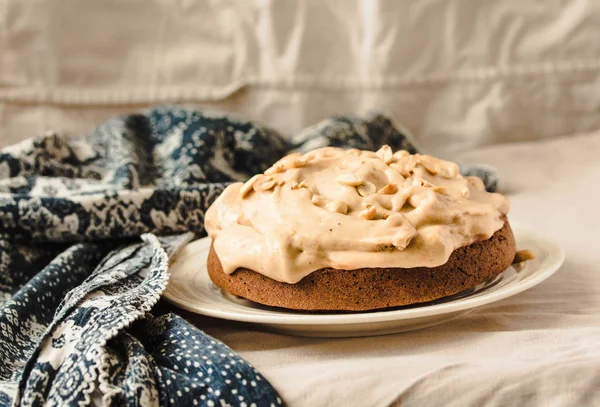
(352, 230)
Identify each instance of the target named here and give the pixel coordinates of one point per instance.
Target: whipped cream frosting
(350, 209)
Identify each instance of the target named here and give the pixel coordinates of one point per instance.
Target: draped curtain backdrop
(455, 73)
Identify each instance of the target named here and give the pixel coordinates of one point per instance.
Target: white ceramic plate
(190, 288)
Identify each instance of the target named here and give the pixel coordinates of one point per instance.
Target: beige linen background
(462, 75)
(456, 73)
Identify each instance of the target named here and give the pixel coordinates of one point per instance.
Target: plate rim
(546, 269)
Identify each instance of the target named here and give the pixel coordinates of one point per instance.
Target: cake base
(373, 288)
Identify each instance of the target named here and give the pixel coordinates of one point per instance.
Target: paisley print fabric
(87, 227)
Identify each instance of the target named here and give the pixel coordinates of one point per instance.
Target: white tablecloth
(541, 347)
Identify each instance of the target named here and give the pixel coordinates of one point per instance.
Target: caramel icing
(348, 210)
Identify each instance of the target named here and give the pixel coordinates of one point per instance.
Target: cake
(353, 230)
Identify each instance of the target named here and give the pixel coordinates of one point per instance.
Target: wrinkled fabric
(455, 73)
(78, 283)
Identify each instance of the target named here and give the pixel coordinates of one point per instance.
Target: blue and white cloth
(87, 226)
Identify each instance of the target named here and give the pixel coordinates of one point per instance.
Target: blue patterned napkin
(87, 226)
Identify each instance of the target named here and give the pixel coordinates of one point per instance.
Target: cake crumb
(522, 256)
